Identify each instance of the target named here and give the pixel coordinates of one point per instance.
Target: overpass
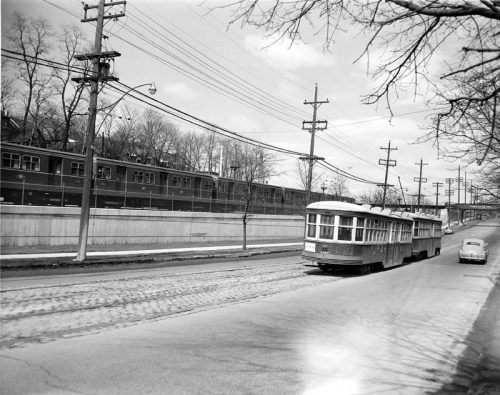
(460, 209)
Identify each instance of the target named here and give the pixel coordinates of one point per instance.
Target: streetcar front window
(327, 227)
(311, 225)
(345, 228)
(326, 232)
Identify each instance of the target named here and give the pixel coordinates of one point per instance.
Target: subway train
(37, 176)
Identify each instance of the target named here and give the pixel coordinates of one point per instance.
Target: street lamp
(88, 170)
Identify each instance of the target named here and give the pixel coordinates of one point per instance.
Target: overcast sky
(289, 73)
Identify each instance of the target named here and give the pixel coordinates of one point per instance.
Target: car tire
(460, 260)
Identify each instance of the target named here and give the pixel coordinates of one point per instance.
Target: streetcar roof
(365, 209)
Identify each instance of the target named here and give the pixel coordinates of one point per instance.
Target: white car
(473, 250)
(448, 231)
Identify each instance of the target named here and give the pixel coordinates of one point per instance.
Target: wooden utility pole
(437, 185)
(420, 180)
(402, 192)
(100, 73)
(459, 180)
(387, 162)
(312, 129)
(449, 192)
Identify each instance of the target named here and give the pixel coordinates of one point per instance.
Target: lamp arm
(115, 103)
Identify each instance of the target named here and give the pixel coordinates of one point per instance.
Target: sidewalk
(63, 256)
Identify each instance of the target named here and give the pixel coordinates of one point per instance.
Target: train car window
(121, 173)
(223, 187)
(103, 172)
(77, 169)
(11, 160)
(55, 165)
(149, 178)
(345, 228)
(186, 182)
(163, 178)
(327, 226)
(208, 185)
(31, 163)
(311, 225)
(138, 176)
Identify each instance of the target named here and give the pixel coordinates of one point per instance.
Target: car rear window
(472, 243)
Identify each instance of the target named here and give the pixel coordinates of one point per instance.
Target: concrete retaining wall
(41, 226)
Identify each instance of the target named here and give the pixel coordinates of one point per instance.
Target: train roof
(367, 209)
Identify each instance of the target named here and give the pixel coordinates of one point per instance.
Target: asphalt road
(271, 325)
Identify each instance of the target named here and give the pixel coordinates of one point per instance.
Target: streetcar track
(47, 313)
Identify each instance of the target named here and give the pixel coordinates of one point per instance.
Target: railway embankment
(38, 227)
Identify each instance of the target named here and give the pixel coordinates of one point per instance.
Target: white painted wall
(36, 226)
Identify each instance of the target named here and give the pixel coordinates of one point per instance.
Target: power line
(231, 75)
(179, 114)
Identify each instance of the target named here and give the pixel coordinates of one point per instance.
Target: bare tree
(158, 137)
(303, 173)
(489, 184)
(70, 92)
(43, 114)
(31, 38)
(7, 91)
(122, 141)
(376, 197)
(338, 186)
(190, 150)
(256, 164)
(411, 32)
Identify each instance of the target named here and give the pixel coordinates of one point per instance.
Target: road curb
(140, 259)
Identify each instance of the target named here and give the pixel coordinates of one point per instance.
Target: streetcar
(426, 240)
(346, 235)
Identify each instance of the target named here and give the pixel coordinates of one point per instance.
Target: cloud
(283, 53)
(179, 91)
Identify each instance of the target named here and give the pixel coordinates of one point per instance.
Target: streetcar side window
(416, 229)
(311, 225)
(360, 227)
(327, 226)
(396, 232)
(345, 228)
(11, 160)
(437, 230)
(426, 231)
(406, 233)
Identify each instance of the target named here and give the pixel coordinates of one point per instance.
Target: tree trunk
(245, 231)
